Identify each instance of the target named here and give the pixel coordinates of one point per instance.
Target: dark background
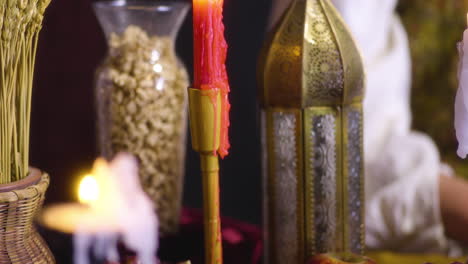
(63, 120)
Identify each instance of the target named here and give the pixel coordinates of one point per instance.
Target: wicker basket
(19, 204)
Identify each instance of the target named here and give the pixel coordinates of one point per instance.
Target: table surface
(397, 258)
(241, 243)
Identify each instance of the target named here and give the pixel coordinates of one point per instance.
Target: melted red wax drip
(210, 52)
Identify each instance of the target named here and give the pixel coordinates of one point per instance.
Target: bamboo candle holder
(205, 127)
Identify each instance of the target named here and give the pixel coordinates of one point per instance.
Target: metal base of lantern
(19, 204)
(340, 258)
(314, 185)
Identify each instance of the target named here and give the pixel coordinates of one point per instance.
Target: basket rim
(33, 178)
(33, 185)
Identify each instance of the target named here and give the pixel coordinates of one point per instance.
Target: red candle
(210, 51)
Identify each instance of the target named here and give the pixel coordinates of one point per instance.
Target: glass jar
(141, 97)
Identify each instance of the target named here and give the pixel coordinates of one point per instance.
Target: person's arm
(454, 207)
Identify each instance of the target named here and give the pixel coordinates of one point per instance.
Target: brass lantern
(312, 86)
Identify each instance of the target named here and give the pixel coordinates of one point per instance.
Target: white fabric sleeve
(402, 166)
(461, 99)
(402, 205)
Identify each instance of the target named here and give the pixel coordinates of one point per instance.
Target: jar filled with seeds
(141, 97)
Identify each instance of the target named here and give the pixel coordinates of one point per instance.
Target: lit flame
(88, 191)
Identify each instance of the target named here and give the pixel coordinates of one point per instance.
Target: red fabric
(242, 242)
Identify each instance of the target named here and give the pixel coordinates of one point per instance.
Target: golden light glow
(88, 191)
(205, 2)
